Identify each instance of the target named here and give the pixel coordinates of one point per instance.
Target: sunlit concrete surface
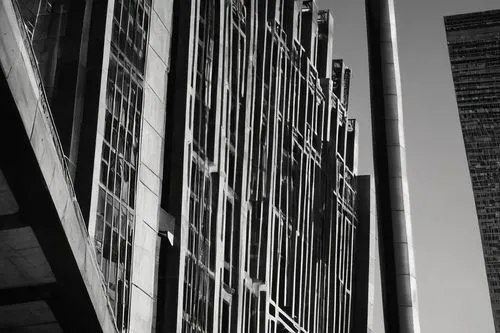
(397, 260)
(49, 280)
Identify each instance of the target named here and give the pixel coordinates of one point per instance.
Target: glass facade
(33, 11)
(199, 274)
(270, 230)
(114, 229)
(243, 218)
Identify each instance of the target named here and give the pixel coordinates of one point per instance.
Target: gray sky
(453, 295)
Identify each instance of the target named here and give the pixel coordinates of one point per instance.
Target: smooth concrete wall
(146, 251)
(150, 171)
(24, 80)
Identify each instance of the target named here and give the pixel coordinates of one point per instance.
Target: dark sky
(451, 279)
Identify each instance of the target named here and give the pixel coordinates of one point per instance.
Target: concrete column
(146, 252)
(399, 290)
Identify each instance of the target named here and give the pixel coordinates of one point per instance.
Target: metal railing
(45, 109)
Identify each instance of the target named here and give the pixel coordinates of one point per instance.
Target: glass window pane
(107, 127)
(104, 172)
(107, 241)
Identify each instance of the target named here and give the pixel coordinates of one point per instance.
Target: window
(119, 160)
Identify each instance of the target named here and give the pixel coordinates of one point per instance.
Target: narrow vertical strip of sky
(453, 293)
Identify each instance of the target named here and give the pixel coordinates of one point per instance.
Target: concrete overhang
(49, 277)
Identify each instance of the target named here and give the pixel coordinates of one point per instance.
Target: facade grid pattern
(115, 221)
(474, 49)
(227, 202)
(266, 230)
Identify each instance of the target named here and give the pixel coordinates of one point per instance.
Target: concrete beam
(40, 183)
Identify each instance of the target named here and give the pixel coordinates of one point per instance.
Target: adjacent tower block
(474, 48)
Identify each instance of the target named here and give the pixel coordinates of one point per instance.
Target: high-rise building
(262, 151)
(85, 86)
(474, 49)
(178, 166)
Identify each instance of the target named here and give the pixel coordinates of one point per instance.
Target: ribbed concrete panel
(152, 104)
(151, 146)
(146, 250)
(145, 258)
(141, 313)
(159, 36)
(156, 70)
(150, 179)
